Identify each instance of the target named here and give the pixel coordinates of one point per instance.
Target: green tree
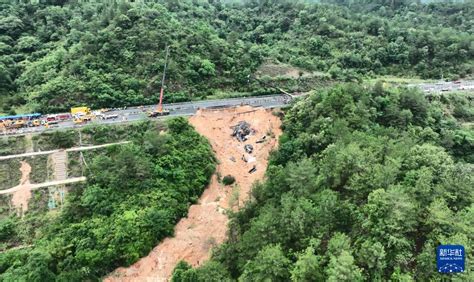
(343, 268)
(308, 267)
(270, 264)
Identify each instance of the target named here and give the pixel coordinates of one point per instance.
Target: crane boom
(160, 104)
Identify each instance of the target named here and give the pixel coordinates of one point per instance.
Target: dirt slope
(21, 197)
(206, 224)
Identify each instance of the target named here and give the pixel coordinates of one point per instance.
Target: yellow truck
(81, 114)
(80, 111)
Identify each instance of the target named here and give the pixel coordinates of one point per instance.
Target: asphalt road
(176, 109)
(461, 85)
(189, 108)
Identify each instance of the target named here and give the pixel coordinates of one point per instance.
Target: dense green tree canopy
(134, 195)
(57, 54)
(358, 192)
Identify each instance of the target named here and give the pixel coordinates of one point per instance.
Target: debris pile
(242, 130)
(254, 169)
(248, 148)
(261, 140)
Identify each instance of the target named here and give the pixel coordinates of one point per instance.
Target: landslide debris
(206, 224)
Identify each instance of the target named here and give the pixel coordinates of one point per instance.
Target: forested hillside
(58, 54)
(366, 183)
(135, 194)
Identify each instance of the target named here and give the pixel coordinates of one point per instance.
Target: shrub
(228, 180)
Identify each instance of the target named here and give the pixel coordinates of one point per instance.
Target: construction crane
(159, 108)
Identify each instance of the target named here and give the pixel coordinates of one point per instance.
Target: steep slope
(206, 224)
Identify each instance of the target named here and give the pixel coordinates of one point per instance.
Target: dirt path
(75, 149)
(206, 224)
(34, 186)
(22, 193)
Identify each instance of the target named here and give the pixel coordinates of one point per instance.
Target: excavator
(159, 111)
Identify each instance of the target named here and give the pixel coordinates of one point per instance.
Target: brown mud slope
(206, 224)
(21, 197)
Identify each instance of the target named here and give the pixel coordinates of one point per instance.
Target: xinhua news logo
(450, 258)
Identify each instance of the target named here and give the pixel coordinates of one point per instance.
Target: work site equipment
(34, 123)
(19, 121)
(80, 110)
(81, 114)
(159, 108)
(79, 119)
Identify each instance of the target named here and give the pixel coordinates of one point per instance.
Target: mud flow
(206, 224)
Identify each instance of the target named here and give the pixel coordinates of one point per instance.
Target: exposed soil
(21, 197)
(278, 69)
(206, 224)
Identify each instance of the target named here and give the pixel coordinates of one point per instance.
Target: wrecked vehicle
(242, 130)
(248, 148)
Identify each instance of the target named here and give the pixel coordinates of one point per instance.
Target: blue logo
(450, 258)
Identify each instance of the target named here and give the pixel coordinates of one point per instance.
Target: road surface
(445, 86)
(176, 109)
(189, 108)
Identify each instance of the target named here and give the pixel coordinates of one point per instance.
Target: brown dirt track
(206, 224)
(22, 196)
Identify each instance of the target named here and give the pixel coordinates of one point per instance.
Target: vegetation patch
(51, 59)
(362, 178)
(12, 145)
(58, 139)
(228, 180)
(134, 195)
(9, 173)
(40, 171)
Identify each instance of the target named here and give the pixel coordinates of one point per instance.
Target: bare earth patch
(279, 69)
(21, 197)
(206, 224)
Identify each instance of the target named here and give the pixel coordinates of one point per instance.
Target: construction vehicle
(81, 114)
(80, 111)
(4, 125)
(80, 118)
(159, 108)
(19, 121)
(34, 123)
(18, 124)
